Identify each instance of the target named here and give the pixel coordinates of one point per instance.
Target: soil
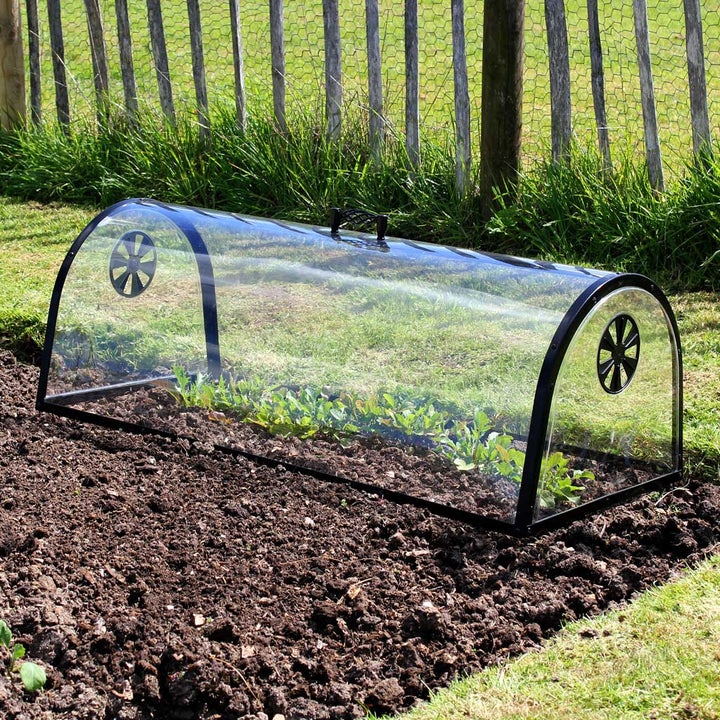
(374, 460)
(159, 579)
(403, 465)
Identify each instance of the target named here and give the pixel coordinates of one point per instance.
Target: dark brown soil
(382, 462)
(376, 461)
(160, 580)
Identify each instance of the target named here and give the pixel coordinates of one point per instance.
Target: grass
(699, 319)
(33, 241)
(571, 211)
(304, 71)
(574, 212)
(658, 659)
(296, 176)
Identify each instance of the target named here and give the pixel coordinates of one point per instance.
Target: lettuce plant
(308, 412)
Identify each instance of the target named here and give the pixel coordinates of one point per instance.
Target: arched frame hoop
(205, 271)
(537, 435)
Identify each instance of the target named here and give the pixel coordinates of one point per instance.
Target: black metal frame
(524, 523)
(545, 388)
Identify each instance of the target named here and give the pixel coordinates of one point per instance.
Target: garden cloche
(510, 393)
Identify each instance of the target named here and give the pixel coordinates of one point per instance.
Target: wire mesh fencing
(304, 65)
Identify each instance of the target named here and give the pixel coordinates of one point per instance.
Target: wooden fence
(12, 67)
(502, 76)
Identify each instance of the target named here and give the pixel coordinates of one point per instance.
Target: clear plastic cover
(612, 410)
(340, 350)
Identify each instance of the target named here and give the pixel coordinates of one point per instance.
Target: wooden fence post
(127, 66)
(412, 83)
(462, 99)
(502, 84)
(198, 68)
(238, 69)
(34, 61)
(98, 52)
(333, 68)
(162, 69)
(560, 108)
(647, 95)
(702, 142)
(62, 102)
(12, 66)
(277, 43)
(375, 92)
(598, 83)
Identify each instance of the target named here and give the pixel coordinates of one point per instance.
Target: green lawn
(33, 241)
(699, 320)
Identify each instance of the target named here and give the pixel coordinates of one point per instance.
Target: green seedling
(311, 412)
(558, 483)
(32, 675)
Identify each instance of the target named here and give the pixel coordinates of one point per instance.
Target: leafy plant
(558, 483)
(308, 412)
(473, 446)
(32, 675)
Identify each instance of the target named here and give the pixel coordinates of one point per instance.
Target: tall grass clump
(297, 175)
(48, 164)
(580, 213)
(572, 211)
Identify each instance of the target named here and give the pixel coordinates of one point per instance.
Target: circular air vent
(132, 263)
(618, 354)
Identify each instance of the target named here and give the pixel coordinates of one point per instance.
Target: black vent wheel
(618, 354)
(133, 263)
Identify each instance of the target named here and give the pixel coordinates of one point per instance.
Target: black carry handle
(363, 218)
